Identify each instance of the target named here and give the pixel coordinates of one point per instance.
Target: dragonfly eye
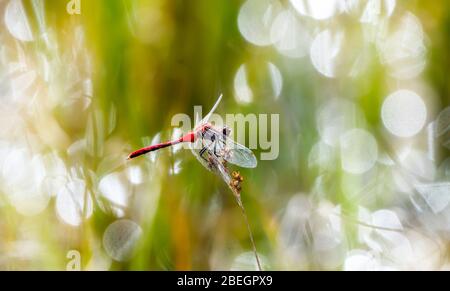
(205, 128)
(226, 131)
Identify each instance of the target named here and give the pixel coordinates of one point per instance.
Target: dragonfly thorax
(210, 133)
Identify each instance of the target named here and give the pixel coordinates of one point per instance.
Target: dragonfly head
(225, 130)
(205, 127)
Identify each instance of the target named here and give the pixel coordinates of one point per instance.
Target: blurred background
(362, 88)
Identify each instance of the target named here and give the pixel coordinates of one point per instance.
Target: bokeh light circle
(317, 9)
(120, 239)
(403, 50)
(74, 202)
(289, 36)
(268, 75)
(113, 189)
(23, 177)
(242, 90)
(255, 20)
(404, 113)
(336, 117)
(359, 151)
(325, 50)
(16, 21)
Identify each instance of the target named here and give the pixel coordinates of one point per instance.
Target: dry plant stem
(244, 213)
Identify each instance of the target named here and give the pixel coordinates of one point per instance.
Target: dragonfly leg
(214, 144)
(215, 149)
(204, 150)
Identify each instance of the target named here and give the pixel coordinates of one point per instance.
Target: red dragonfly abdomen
(190, 137)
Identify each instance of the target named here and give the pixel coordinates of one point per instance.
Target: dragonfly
(214, 149)
(212, 146)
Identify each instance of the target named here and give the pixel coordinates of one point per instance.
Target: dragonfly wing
(195, 149)
(223, 172)
(239, 155)
(210, 161)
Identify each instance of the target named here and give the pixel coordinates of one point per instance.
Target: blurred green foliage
(151, 59)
